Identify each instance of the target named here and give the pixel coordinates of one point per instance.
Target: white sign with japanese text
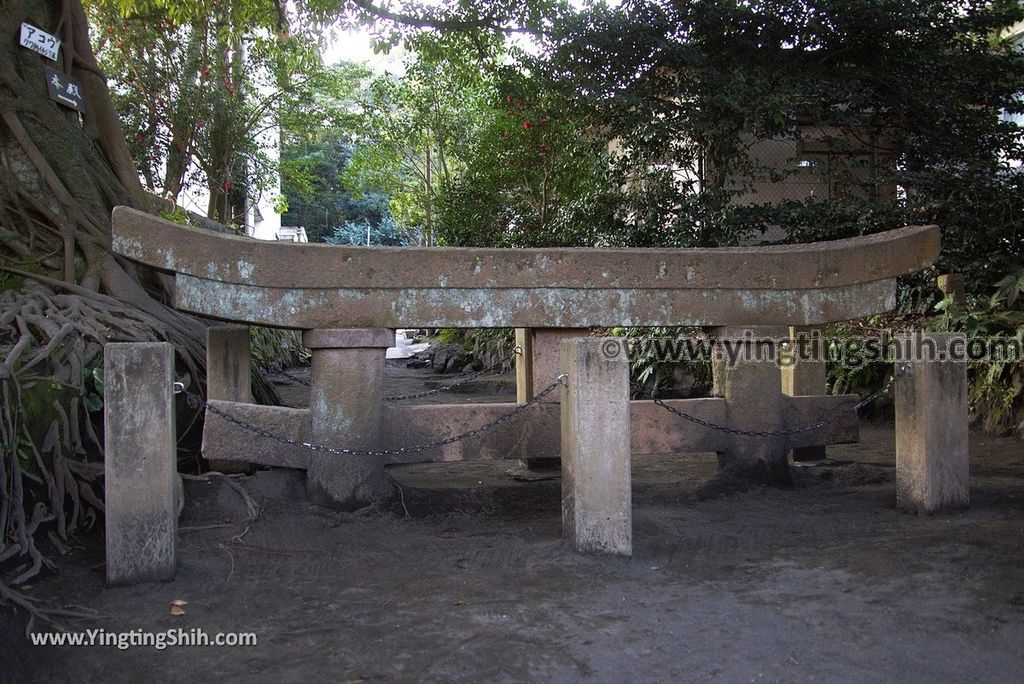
(40, 41)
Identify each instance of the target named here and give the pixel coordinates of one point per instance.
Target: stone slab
(534, 433)
(535, 307)
(226, 441)
(235, 259)
(228, 363)
(140, 462)
(349, 338)
(597, 500)
(932, 448)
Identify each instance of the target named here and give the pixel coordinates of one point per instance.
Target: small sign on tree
(38, 40)
(65, 90)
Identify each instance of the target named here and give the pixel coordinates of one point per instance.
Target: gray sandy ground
(468, 581)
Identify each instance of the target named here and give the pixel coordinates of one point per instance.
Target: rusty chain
(197, 402)
(903, 371)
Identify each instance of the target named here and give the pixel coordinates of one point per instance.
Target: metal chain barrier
(904, 370)
(197, 402)
(462, 381)
(276, 369)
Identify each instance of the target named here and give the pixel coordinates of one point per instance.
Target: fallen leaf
(178, 607)
(458, 602)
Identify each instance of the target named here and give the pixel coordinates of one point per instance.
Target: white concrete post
(932, 450)
(139, 463)
(597, 506)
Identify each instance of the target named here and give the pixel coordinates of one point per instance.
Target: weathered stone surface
(806, 378)
(541, 365)
(597, 500)
(140, 462)
(753, 391)
(226, 441)
(532, 434)
(348, 338)
(173, 247)
(932, 450)
(535, 307)
(322, 286)
(228, 377)
(346, 405)
(228, 364)
(839, 410)
(448, 358)
(544, 360)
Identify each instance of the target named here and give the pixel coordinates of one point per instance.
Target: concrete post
(932, 450)
(753, 391)
(140, 467)
(228, 365)
(228, 377)
(806, 375)
(597, 507)
(346, 405)
(536, 368)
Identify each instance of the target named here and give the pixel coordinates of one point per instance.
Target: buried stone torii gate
(348, 301)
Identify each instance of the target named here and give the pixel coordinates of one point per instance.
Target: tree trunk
(63, 294)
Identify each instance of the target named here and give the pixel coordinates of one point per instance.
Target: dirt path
(469, 582)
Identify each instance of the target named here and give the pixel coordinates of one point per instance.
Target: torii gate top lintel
(312, 286)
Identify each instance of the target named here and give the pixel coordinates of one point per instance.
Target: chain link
(274, 368)
(904, 370)
(197, 402)
(459, 383)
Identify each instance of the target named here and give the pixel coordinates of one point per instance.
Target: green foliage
(195, 98)
(415, 129)
(658, 372)
(534, 177)
(387, 233)
(317, 197)
(996, 389)
(486, 346)
(890, 108)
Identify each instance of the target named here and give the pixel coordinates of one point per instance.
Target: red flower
(119, 44)
(504, 134)
(508, 98)
(227, 185)
(206, 71)
(527, 125)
